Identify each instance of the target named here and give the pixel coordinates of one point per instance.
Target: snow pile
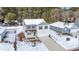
(6, 47)
(62, 40)
(22, 46)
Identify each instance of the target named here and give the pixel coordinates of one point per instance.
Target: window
(28, 27)
(40, 27)
(34, 33)
(46, 27)
(28, 33)
(65, 29)
(33, 26)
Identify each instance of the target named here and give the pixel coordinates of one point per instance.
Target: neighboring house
(2, 33)
(34, 28)
(75, 28)
(60, 27)
(76, 24)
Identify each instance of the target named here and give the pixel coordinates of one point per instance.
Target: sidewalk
(51, 44)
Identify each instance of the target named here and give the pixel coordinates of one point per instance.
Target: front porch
(31, 34)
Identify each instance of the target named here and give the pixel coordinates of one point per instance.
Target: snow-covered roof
(62, 24)
(13, 27)
(33, 21)
(2, 29)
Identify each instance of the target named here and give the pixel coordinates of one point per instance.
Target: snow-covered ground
(73, 43)
(22, 46)
(6, 47)
(27, 46)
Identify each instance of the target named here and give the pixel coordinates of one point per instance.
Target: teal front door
(34, 33)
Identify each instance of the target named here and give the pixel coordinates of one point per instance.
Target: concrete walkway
(51, 44)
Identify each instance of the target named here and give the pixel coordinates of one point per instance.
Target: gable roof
(43, 23)
(77, 22)
(33, 21)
